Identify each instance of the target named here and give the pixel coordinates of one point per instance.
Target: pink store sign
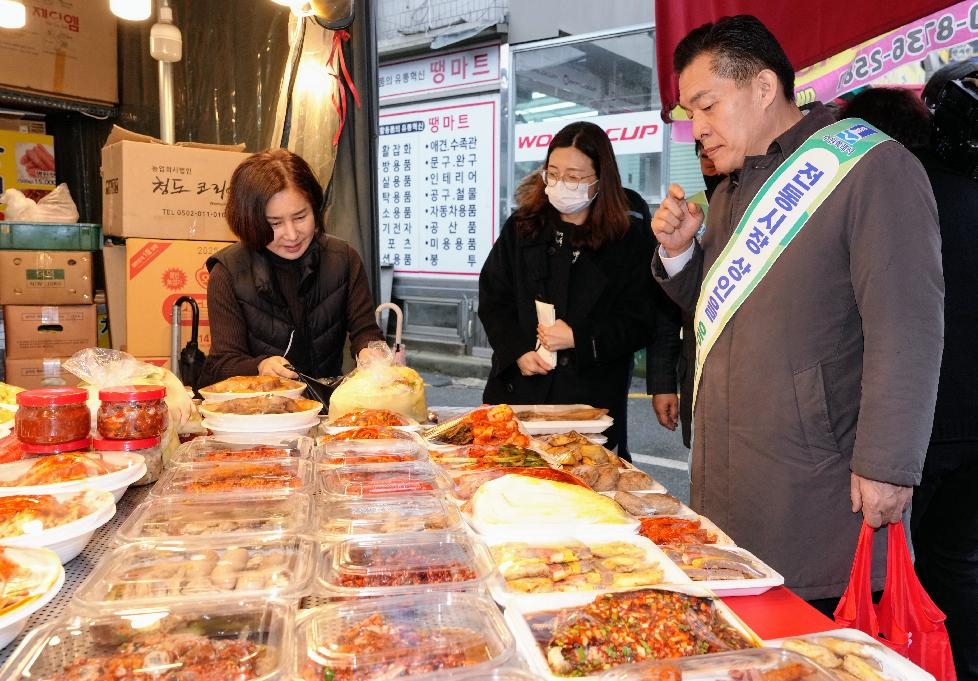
(444, 71)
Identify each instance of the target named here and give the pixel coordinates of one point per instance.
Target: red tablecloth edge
(778, 612)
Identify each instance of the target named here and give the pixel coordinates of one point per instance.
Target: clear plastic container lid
(153, 573)
(275, 513)
(29, 579)
(346, 517)
(25, 575)
(243, 448)
(420, 636)
(65, 527)
(239, 478)
(755, 663)
(375, 565)
(355, 452)
(365, 480)
(242, 639)
(72, 472)
(26, 515)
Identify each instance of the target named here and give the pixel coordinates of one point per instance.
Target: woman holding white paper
(581, 243)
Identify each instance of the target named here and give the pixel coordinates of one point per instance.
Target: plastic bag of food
(99, 368)
(55, 206)
(377, 383)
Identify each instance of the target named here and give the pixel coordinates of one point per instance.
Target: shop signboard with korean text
(437, 172)
(440, 73)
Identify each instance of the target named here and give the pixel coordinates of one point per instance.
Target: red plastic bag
(906, 619)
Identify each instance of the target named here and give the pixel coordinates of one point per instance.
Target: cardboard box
(38, 331)
(45, 278)
(22, 122)
(155, 273)
(38, 373)
(67, 49)
(161, 191)
(26, 163)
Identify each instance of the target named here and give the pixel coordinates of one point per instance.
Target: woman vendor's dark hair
(256, 180)
(741, 47)
(608, 215)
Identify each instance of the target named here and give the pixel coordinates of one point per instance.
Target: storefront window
(607, 79)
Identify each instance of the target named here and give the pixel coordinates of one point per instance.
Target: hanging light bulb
(13, 14)
(300, 8)
(133, 10)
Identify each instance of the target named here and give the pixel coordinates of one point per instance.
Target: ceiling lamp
(132, 10)
(13, 14)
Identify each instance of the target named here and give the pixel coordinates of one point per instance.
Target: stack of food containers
(398, 566)
(206, 574)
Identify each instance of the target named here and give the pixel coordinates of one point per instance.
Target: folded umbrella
(191, 360)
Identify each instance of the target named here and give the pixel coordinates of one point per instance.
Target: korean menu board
(437, 185)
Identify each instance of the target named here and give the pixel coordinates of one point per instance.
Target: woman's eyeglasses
(572, 182)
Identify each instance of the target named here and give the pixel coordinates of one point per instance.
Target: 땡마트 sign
(437, 194)
(630, 133)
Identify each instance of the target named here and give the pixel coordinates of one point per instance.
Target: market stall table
(773, 614)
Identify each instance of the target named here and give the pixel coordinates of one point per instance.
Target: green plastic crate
(50, 236)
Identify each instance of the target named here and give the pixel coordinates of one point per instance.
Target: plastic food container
(417, 635)
(149, 448)
(60, 473)
(235, 477)
(346, 517)
(759, 663)
(724, 570)
(31, 578)
(244, 640)
(662, 622)
(132, 412)
(384, 479)
(52, 416)
(550, 568)
(199, 570)
(830, 649)
(243, 448)
(381, 565)
(355, 452)
(207, 516)
(62, 522)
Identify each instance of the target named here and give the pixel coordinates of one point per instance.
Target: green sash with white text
(775, 216)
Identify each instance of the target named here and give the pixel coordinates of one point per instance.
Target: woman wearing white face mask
(581, 242)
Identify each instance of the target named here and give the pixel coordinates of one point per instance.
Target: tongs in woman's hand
(319, 389)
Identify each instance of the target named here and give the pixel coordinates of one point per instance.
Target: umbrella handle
(194, 312)
(400, 321)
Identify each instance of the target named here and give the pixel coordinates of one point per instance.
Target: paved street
(657, 451)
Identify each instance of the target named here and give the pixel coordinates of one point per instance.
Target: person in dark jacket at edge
(572, 243)
(287, 294)
(944, 515)
(669, 358)
(817, 380)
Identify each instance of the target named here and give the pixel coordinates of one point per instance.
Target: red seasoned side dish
(61, 468)
(24, 513)
(632, 626)
(369, 417)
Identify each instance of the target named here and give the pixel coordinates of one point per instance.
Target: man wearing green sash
(818, 300)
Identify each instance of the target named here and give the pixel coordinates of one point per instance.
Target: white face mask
(569, 201)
